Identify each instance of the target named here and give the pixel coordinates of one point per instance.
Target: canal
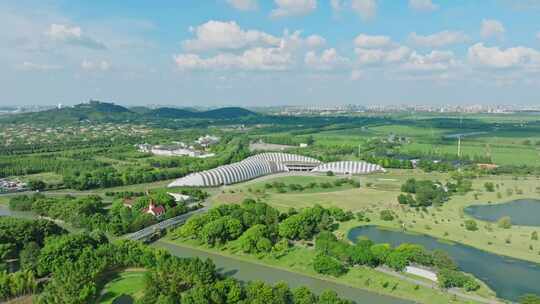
(510, 278)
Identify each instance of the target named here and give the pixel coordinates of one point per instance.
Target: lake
(510, 278)
(525, 212)
(246, 271)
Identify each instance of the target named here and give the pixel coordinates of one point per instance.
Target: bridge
(148, 232)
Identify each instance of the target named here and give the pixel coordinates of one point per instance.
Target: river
(510, 278)
(525, 212)
(246, 271)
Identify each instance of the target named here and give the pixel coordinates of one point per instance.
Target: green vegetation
(125, 285)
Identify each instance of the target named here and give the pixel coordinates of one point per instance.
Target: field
(444, 222)
(123, 287)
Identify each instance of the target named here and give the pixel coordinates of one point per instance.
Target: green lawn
(445, 222)
(123, 287)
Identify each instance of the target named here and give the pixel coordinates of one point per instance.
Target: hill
(222, 113)
(95, 111)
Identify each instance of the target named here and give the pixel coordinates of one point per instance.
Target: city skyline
(263, 53)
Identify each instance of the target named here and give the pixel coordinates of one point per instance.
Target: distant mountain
(96, 111)
(93, 111)
(222, 113)
(171, 113)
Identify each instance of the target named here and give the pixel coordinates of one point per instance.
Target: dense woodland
(75, 266)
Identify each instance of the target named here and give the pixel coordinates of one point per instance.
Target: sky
(270, 52)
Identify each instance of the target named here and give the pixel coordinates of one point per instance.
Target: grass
(128, 284)
(444, 222)
(299, 260)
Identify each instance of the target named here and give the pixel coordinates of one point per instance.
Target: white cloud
(31, 66)
(315, 41)
(218, 35)
(327, 60)
(435, 61)
(423, 5)
(244, 5)
(492, 28)
(72, 35)
(265, 59)
(336, 5)
(288, 8)
(367, 9)
(380, 56)
(101, 65)
(372, 42)
(439, 39)
(494, 57)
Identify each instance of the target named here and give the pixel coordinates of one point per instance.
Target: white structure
(251, 167)
(176, 150)
(207, 140)
(349, 167)
(421, 272)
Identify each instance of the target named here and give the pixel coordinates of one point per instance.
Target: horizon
(253, 53)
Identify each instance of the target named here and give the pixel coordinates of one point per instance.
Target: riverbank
(298, 262)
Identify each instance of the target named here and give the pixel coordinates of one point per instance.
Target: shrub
(490, 187)
(471, 225)
(504, 222)
(534, 236)
(386, 215)
(329, 173)
(451, 278)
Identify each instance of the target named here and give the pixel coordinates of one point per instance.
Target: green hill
(95, 111)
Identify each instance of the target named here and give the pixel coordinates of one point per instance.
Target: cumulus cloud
(73, 35)
(265, 59)
(31, 66)
(315, 41)
(439, 39)
(433, 61)
(327, 60)
(367, 9)
(372, 41)
(218, 35)
(288, 8)
(100, 65)
(495, 57)
(381, 56)
(492, 28)
(244, 5)
(423, 5)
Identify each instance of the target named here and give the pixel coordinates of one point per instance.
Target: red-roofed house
(156, 211)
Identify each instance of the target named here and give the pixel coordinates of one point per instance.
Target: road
(150, 230)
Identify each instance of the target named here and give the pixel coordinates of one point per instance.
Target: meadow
(379, 192)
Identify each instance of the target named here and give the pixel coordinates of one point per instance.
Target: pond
(525, 212)
(246, 271)
(510, 278)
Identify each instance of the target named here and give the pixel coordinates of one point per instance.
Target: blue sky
(271, 52)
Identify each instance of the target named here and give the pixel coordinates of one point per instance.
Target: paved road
(453, 291)
(148, 231)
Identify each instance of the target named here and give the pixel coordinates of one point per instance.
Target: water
(525, 212)
(246, 271)
(510, 278)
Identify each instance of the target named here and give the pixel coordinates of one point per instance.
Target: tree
(387, 215)
(29, 256)
(328, 265)
(302, 295)
(471, 225)
(529, 299)
(490, 187)
(534, 236)
(36, 185)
